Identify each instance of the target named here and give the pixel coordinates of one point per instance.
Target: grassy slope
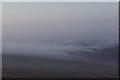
(28, 62)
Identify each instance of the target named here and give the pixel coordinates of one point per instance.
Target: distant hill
(84, 43)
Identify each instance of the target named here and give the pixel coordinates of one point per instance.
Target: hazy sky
(0, 23)
(60, 21)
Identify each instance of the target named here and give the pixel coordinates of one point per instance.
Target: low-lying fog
(86, 53)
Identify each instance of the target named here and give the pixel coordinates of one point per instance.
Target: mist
(86, 32)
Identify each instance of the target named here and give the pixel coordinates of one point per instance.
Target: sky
(59, 0)
(0, 22)
(51, 21)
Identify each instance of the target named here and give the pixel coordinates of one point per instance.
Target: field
(18, 66)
